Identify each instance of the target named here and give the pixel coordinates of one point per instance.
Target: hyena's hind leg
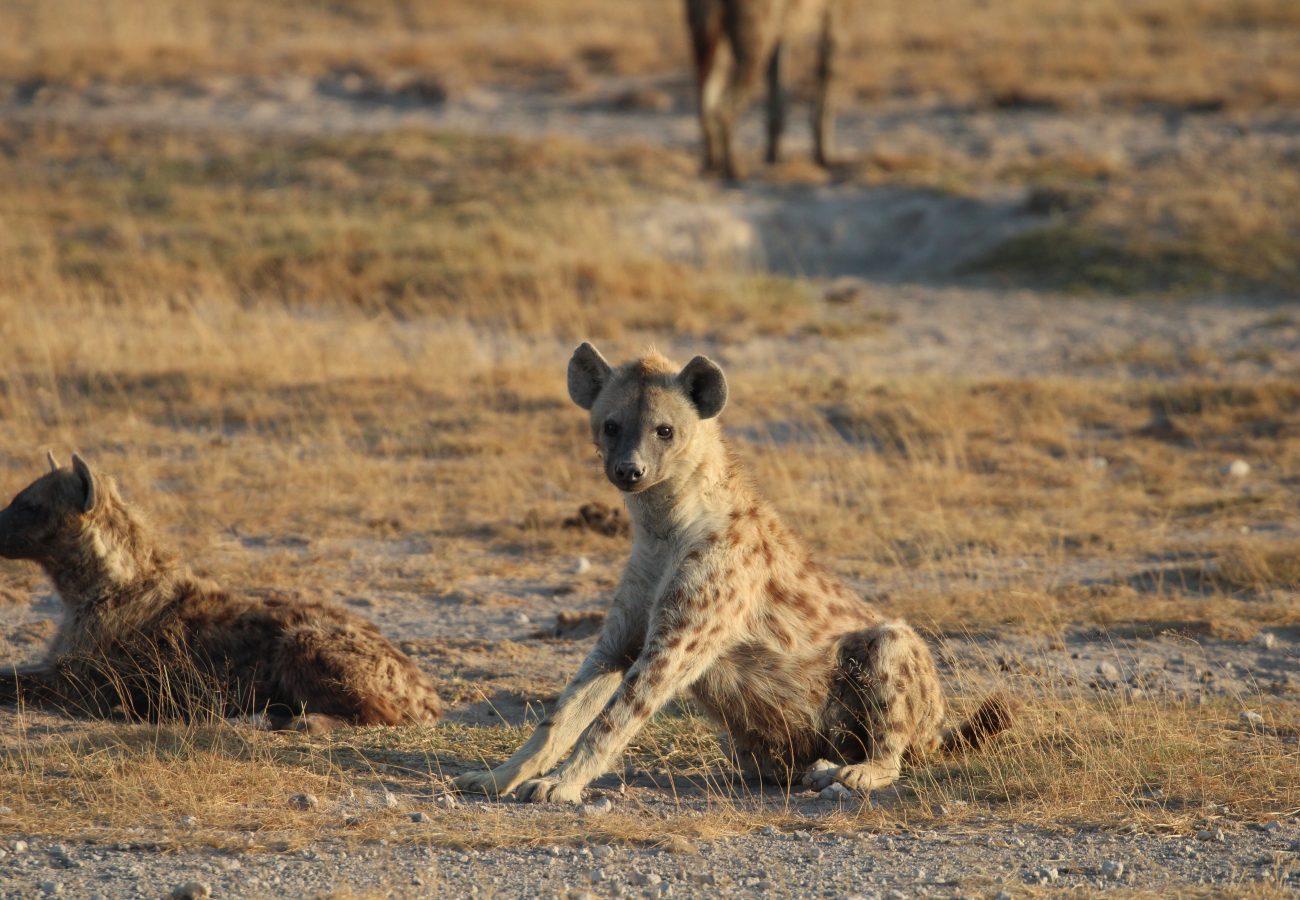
(885, 701)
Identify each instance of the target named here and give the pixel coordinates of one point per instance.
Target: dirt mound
(599, 518)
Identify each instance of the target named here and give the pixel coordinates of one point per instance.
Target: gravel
(984, 858)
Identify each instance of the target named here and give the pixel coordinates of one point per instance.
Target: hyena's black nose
(629, 472)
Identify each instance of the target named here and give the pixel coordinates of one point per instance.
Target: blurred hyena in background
(734, 42)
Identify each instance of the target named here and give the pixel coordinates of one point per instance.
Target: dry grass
(1194, 54)
(1146, 765)
(1217, 216)
(337, 364)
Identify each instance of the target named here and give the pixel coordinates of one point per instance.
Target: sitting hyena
(721, 600)
(142, 637)
(752, 30)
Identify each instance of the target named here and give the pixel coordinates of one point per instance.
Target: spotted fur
(144, 638)
(721, 601)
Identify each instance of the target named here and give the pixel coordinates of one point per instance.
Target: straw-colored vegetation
(1193, 54)
(336, 364)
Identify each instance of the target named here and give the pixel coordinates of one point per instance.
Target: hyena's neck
(704, 493)
(114, 560)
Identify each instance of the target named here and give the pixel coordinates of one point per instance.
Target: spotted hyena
(721, 601)
(142, 637)
(733, 43)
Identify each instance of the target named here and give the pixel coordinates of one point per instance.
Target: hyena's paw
(861, 777)
(820, 774)
(489, 782)
(549, 790)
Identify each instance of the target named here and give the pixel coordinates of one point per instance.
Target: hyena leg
(556, 734)
(711, 62)
(757, 764)
(661, 672)
(823, 116)
(775, 107)
(752, 42)
(886, 700)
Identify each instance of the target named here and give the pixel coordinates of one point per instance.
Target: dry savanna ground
(334, 363)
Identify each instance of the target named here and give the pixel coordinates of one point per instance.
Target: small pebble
(845, 289)
(1112, 868)
(51, 887)
(1252, 719)
(304, 801)
(597, 808)
(582, 566)
(521, 619)
(835, 791)
(191, 890)
(646, 879)
(1266, 639)
(446, 801)
(389, 800)
(1044, 875)
(18, 846)
(420, 817)
(1238, 468)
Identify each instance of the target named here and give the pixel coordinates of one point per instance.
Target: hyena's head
(650, 421)
(47, 514)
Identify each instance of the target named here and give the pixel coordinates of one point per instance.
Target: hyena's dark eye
(611, 428)
(665, 432)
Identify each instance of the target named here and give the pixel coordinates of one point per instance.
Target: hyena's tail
(994, 716)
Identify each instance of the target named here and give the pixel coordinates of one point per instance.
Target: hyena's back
(309, 656)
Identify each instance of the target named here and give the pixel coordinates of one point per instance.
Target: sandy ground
(961, 330)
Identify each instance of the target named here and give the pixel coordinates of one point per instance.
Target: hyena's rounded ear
(88, 482)
(54, 463)
(588, 374)
(705, 385)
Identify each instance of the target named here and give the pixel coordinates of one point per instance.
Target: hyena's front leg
(584, 698)
(581, 702)
(670, 663)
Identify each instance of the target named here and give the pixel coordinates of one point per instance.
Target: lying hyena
(721, 600)
(142, 637)
(752, 31)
